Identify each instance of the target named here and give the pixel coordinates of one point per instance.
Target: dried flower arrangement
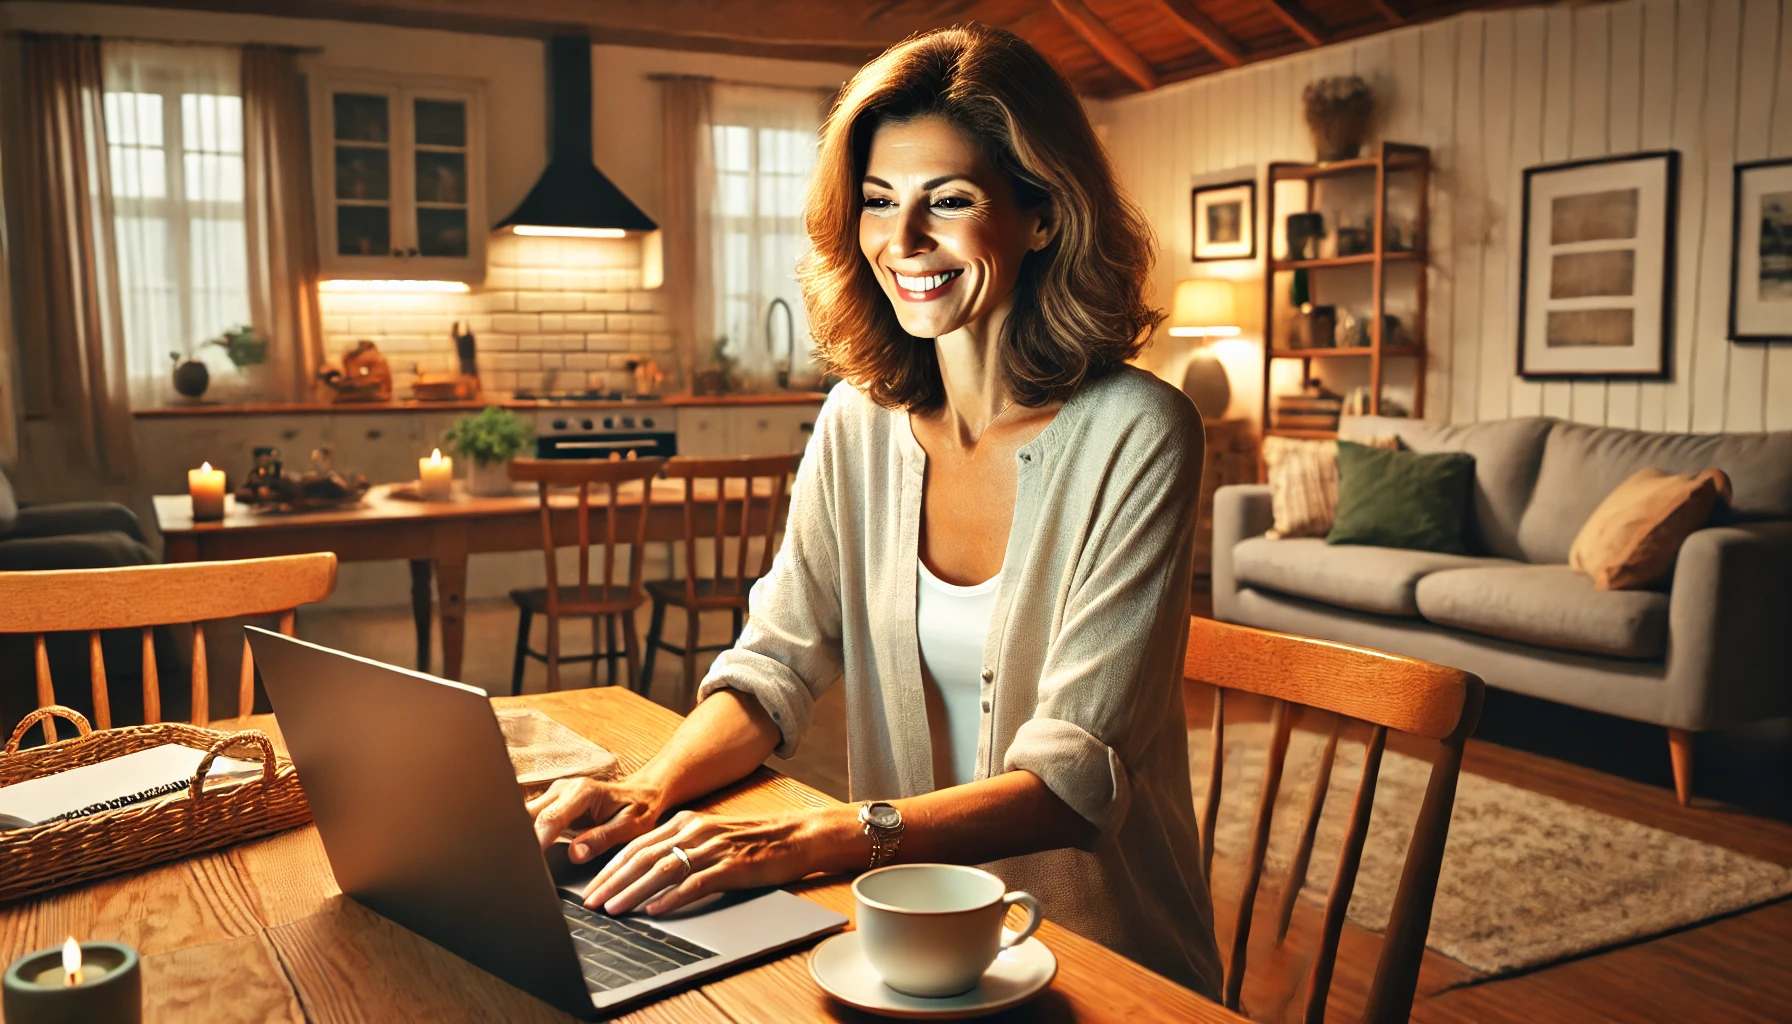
(1338, 113)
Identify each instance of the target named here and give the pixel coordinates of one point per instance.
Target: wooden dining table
(436, 537)
(259, 932)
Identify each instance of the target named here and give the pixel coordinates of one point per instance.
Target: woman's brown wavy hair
(1079, 307)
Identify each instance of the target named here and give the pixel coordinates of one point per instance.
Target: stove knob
(586, 424)
(628, 422)
(609, 423)
(559, 424)
(647, 422)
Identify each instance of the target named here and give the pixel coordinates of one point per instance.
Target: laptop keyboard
(618, 951)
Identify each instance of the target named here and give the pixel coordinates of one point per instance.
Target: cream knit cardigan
(1083, 662)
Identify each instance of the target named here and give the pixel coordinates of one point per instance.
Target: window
(763, 141)
(174, 139)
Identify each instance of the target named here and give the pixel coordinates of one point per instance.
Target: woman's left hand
(725, 853)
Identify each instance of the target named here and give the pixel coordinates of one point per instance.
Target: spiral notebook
(110, 784)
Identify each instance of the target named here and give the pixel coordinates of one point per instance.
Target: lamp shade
(1203, 308)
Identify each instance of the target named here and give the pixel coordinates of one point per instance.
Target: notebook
(117, 782)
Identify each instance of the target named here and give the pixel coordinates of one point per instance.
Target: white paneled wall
(1492, 94)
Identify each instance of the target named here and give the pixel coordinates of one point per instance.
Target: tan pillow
(1303, 483)
(1633, 537)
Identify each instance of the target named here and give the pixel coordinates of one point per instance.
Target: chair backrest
(1385, 691)
(745, 480)
(608, 476)
(146, 596)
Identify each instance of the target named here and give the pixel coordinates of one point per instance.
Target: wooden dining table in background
(260, 932)
(434, 537)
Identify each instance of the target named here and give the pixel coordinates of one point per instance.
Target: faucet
(783, 369)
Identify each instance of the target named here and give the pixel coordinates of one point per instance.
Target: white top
(951, 623)
(1083, 668)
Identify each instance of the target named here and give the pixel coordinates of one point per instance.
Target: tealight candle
(206, 485)
(435, 476)
(88, 981)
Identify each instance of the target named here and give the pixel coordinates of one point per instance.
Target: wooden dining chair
(727, 585)
(1384, 691)
(144, 597)
(604, 600)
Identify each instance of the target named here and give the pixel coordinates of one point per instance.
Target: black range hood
(572, 196)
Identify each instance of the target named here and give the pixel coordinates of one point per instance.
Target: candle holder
(110, 989)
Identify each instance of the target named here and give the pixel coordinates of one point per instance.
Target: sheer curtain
(174, 133)
(281, 235)
(688, 161)
(763, 142)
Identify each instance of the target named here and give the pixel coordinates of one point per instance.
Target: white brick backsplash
(489, 342)
(542, 301)
(607, 342)
(655, 342)
(587, 361)
(534, 380)
(515, 361)
(563, 342)
(644, 302)
(517, 323)
(498, 380)
(497, 302)
(335, 324)
(606, 302)
(587, 323)
(553, 322)
(551, 360)
(404, 343)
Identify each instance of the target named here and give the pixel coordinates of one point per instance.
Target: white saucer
(839, 967)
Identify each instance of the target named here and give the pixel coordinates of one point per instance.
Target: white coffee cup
(933, 929)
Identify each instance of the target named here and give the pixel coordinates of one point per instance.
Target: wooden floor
(1736, 969)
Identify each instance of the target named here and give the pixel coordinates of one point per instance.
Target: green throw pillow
(1402, 499)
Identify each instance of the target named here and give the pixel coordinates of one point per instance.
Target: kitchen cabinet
(704, 432)
(724, 431)
(399, 171)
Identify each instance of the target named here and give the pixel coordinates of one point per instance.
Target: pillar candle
(435, 476)
(206, 485)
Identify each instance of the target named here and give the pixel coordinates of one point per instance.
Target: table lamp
(1205, 308)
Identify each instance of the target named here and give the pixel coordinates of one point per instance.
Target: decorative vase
(1338, 114)
(191, 378)
(489, 479)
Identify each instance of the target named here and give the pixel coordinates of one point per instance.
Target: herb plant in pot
(488, 441)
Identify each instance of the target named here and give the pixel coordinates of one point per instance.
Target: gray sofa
(1711, 648)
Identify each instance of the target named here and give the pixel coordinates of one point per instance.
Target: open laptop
(418, 806)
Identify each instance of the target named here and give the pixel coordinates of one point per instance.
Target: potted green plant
(488, 441)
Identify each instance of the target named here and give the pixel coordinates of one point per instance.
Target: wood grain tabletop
(260, 931)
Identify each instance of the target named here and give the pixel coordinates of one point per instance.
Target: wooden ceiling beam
(1389, 11)
(1112, 48)
(1299, 20)
(1204, 30)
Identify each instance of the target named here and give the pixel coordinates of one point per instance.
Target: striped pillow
(1303, 483)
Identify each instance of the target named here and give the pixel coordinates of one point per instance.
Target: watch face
(883, 816)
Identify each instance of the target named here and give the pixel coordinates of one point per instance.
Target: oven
(643, 432)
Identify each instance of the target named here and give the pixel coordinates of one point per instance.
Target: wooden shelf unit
(1389, 158)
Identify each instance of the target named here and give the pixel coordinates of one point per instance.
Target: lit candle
(79, 982)
(206, 485)
(435, 476)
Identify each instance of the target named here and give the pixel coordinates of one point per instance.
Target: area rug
(1527, 879)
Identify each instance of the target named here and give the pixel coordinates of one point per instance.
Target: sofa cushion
(1507, 454)
(1369, 579)
(1549, 606)
(1402, 499)
(1582, 464)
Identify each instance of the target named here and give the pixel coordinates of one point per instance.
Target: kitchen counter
(520, 405)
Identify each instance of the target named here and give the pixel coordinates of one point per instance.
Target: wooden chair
(604, 601)
(725, 587)
(1385, 691)
(144, 597)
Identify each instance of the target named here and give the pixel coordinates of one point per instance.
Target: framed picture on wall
(1225, 221)
(1761, 263)
(1596, 268)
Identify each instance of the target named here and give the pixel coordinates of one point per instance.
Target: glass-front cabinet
(399, 171)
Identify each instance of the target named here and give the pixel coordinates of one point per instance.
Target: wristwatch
(883, 826)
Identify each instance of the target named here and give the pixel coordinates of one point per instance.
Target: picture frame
(1596, 268)
(1761, 253)
(1223, 221)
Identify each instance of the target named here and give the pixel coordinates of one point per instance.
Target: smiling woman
(989, 543)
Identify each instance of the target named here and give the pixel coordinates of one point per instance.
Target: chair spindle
(152, 685)
(245, 684)
(1210, 815)
(202, 689)
(1319, 980)
(1303, 853)
(102, 701)
(1279, 724)
(46, 690)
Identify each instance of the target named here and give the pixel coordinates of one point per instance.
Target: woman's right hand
(617, 812)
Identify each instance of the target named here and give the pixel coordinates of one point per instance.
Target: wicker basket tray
(204, 817)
